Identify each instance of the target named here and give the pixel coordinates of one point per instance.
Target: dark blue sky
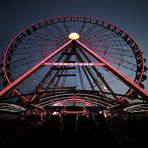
(129, 15)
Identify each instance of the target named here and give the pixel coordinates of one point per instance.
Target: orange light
(74, 36)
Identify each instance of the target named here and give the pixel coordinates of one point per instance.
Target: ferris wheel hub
(74, 36)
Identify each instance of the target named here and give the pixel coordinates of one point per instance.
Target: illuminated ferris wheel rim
(104, 24)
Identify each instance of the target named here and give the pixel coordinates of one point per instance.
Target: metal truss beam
(16, 82)
(116, 72)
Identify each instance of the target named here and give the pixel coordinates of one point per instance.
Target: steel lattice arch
(73, 60)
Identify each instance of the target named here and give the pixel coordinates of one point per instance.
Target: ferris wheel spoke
(60, 31)
(111, 50)
(27, 62)
(35, 41)
(102, 35)
(83, 26)
(53, 33)
(98, 31)
(123, 63)
(26, 59)
(38, 36)
(66, 28)
(36, 51)
(125, 52)
(29, 48)
(88, 31)
(117, 52)
(110, 43)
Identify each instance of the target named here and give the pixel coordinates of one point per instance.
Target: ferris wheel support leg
(20, 79)
(116, 72)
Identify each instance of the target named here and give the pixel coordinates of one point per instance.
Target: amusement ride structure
(74, 60)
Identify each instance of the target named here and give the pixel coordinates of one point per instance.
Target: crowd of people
(36, 129)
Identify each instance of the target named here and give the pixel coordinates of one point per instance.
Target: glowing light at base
(74, 36)
(55, 113)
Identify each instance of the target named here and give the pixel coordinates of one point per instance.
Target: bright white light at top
(74, 36)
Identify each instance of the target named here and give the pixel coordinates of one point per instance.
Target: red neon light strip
(86, 103)
(16, 82)
(116, 72)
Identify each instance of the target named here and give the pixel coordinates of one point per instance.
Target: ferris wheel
(73, 59)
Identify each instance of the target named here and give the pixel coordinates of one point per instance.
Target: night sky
(129, 15)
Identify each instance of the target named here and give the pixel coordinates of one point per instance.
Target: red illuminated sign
(74, 64)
